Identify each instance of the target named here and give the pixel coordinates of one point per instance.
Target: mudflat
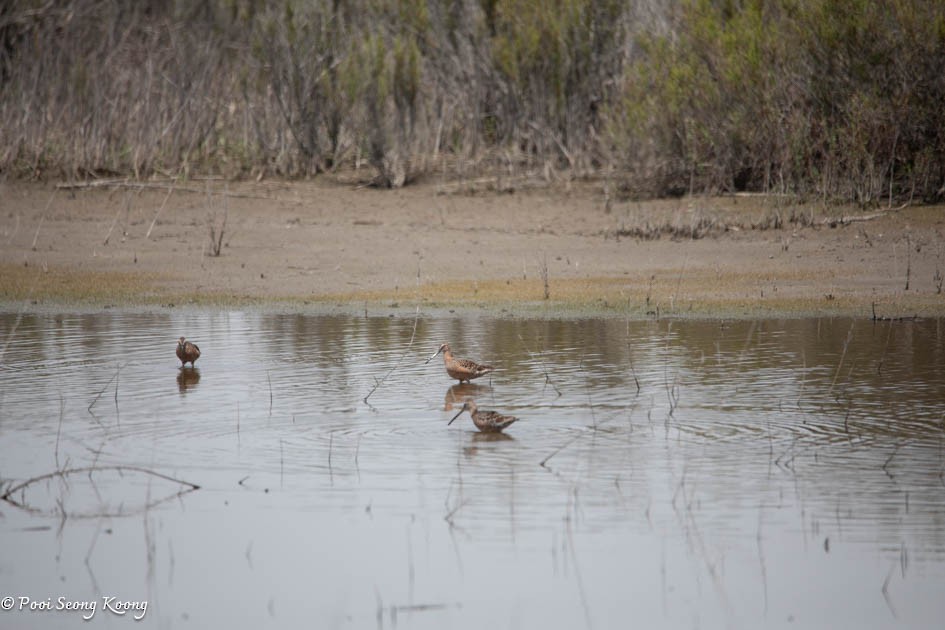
(549, 250)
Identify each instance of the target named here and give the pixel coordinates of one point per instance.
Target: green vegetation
(839, 101)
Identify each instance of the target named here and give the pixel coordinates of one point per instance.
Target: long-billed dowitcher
(485, 421)
(460, 369)
(187, 352)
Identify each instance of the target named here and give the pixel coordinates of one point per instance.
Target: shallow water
(762, 474)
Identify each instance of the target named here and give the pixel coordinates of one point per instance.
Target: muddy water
(668, 474)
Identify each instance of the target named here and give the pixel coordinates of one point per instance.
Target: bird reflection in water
(187, 379)
(479, 441)
(461, 392)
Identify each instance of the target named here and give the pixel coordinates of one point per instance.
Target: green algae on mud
(672, 295)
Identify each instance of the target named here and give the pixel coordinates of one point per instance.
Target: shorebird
(485, 421)
(460, 369)
(187, 352)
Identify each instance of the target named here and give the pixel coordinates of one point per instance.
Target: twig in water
(331, 440)
(449, 517)
(378, 383)
(62, 405)
(587, 391)
(88, 554)
(672, 390)
(761, 558)
(411, 572)
(544, 369)
(379, 614)
(577, 572)
(846, 344)
(62, 474)
(879, 368)
(148, 541)
(889, 459)
(885, 591)
(92, 404)
(633, 371)
(269, 378)
(559, 449)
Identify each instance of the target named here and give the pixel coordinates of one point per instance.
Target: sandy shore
(305, 244)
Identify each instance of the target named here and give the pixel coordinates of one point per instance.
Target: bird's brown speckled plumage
(460, 369)
(187, 352)
(485, 421)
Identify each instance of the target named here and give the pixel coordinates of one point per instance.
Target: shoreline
(328, 247)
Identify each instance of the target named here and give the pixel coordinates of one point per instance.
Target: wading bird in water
(460, 369)
(187, 352)
(485, 421)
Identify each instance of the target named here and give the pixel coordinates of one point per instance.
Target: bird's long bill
(432, 356)
(456, 416)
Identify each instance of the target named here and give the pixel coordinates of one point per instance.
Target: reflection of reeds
(574, 563)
